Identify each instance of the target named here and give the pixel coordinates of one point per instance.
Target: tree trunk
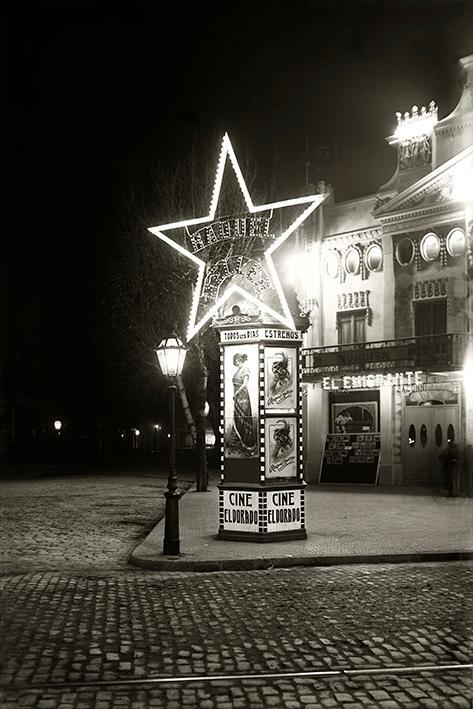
(202, 469)
(214, 417)
(187, 410)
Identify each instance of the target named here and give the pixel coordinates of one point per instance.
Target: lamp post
(171, 355)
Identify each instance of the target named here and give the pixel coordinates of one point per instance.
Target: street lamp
(171, 355)
(57, 426)
(157, 428)
(135, 433)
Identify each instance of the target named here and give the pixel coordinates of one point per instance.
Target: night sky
(95, 94)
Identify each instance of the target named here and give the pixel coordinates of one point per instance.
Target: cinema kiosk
(261, 491)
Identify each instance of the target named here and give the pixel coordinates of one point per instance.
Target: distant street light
(157, 428)
(58, 425)
(135, 432)
(171, 355)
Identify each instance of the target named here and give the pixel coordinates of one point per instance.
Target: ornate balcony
(439, 352)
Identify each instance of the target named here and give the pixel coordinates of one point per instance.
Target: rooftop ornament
(415, 125)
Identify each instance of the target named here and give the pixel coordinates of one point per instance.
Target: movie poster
(281, 447)
(241, 401)
(355, 417)
(281, 378)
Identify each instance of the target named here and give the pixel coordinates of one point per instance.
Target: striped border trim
(222, 418)
(220, 510)
(261, 414)
(300, 425)
(302, 509)
(262, 512)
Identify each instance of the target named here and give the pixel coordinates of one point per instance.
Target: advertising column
(261, 493)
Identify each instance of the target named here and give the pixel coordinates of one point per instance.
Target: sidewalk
(345, 525)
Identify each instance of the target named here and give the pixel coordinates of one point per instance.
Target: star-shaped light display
(283, 315)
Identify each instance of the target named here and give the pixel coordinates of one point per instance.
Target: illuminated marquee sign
(240, 510)
(225, 276)
(403, 380)
(246, 228)
(284, 510)
(226, 268)
(255, 334)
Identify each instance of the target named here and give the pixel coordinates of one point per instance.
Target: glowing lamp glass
(332, 264)
(430, 247)
(57, 425)
(352, 262)
(456, 242)
(374, 258)
(209, 438)
(171, 355)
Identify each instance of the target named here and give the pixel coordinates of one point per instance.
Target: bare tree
(151, 284)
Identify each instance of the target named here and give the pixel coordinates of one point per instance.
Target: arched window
(423, 435)
(450, 433)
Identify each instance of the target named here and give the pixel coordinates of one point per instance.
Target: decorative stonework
(432, 288)
(356, 300)
(413, 136)
(341, 246)
(415, 152)
(307, 305)
(413, 221)
(417, 255)
(380, 202)
(443, 256)
(454, 128)
(417, 123)
(428, 192)
(364, 236)
(469, 245)
(238, 318)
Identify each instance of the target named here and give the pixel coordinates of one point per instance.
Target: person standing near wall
(450, 461)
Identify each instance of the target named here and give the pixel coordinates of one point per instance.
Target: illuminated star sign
(284, 316)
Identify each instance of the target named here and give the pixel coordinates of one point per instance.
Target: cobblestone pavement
(77, 521)
(73, 611)
(79, 626)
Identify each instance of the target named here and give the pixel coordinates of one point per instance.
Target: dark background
(96, 94)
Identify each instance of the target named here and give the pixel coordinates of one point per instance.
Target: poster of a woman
(241, 401)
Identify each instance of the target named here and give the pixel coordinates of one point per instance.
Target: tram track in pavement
(327, 675)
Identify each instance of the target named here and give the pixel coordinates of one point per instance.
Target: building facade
(387, 362)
